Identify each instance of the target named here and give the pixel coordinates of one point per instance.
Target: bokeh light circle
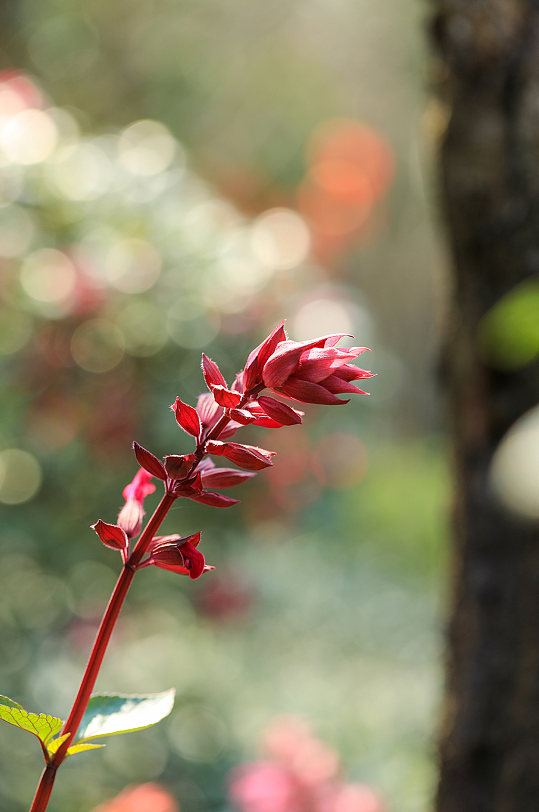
(20, 476)
(132, 265)
(29, 137)
(280, 239)
(515, 468)
(146, 147)
(97, 345)
(48, 276)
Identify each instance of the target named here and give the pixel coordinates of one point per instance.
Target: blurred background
(178, 177)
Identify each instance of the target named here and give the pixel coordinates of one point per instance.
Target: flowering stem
(108, 622)
(106, 628)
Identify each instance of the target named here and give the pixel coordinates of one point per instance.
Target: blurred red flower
(143, 798)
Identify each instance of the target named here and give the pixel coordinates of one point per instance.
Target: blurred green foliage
(326, 599)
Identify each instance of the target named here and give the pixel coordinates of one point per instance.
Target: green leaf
(42, 725)
(53, 745)
(80, 748)
(110, 714)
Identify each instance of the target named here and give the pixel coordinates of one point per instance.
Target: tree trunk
(488, 76)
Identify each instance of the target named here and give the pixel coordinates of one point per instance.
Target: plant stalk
(104, 633)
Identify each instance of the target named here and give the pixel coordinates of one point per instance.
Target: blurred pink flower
(300, 774)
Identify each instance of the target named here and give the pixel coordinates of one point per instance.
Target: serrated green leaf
(80, 748)
(42, 725)
(5, 700)
(111, 714)
(53, 745)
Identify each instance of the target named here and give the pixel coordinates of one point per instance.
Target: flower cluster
(314, 371)
(299, 773)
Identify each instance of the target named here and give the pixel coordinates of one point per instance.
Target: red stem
(104, 633)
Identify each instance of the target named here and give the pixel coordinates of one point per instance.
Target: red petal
(111, 535)
(187, 417)
(349, 372)
(214, 499)
(258, 357)
(316, 364)
(280, 412)
(225, 477)
(225, 397)
(212, 373)
(285, 359)
(337, 386)
(149, 462)
(308, 392)
(140, 486)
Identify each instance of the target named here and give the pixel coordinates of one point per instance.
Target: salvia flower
(314, 371)
(132, 513)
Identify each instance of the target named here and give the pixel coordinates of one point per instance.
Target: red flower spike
(111, 535)
(212, 373)
(225, 477)
(280, 412)
(178, 465)
(179, 555)
(149, 462)
(252, 374)
(300, 370)
(225, 397)
(186, 417)
(140, 487)
(246, 456)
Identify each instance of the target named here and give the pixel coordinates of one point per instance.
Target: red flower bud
(252, 374)
(186, 417)
(280, 412)
(246, 456)
(149, 462)
(130, 518)
(179, 555)
(212, 373)
(111, 535)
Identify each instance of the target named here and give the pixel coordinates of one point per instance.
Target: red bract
(252, 374)
(186, 417)
(179, 555)
(149, 462)
(246, 456)
(111, 535)
(280, 412)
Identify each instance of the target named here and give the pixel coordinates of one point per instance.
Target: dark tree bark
(488, 76)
